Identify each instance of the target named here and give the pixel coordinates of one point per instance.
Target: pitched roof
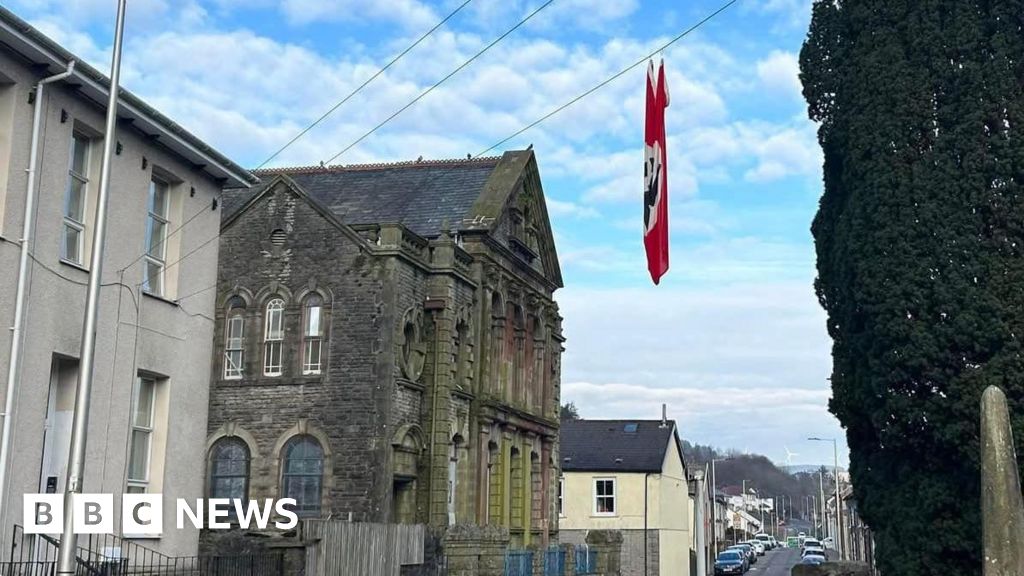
(421, 195)
(38, 49)
(615, 445)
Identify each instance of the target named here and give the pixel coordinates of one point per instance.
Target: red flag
(656, 174)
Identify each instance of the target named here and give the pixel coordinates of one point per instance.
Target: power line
(611, 79)
(393, 116)
(167, 236)
(363, 85)
(441, 81)
(533, 124)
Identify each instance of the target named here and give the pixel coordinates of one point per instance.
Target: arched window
(312, 335)
(229, 469)
(273, 335)
(302, 475)
(234, 333)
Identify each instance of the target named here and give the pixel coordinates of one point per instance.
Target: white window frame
(234, 346)
(83, 178)
(142, 483)
(311, 340)
(613, 496)
(273, 342)
(160, 259)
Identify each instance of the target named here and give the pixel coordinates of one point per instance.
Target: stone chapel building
(387, 347)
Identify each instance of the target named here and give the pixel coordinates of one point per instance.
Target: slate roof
(606, 446)
(421, 195)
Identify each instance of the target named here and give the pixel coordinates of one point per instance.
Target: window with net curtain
(302, 474)
(229, 469)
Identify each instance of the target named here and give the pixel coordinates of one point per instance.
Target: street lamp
(714, 502)
(838, 539)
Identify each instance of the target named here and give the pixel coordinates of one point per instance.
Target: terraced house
(387, 347)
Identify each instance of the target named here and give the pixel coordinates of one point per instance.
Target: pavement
(778, 562)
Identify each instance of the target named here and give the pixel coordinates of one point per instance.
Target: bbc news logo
(143, 514)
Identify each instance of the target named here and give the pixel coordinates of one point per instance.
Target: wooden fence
(339, 547)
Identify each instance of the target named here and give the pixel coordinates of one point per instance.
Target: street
(777, 563)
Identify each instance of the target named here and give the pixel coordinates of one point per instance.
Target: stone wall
(832, 569)
(475, 550)
(343, 407)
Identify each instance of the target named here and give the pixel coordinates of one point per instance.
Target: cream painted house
(628, 475)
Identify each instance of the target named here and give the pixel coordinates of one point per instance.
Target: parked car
(743, 554)
(766, 540)
(812, 559)
(748, 550)
(810, 543)
(775, 543)
(759, 548)
(730, 562)
(829, 543)
(813, 550)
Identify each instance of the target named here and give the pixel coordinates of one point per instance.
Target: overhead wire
(363, 85)
(536, 122)
(353, 93)
(439, 82)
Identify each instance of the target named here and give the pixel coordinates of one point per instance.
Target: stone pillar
(482, 480)
(496, 361)
(545, 492)
(506, 478)
(476, 550)
(608, 544)
(540, 371)
(1002, 507)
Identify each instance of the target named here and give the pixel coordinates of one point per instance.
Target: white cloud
(561, 209)
(729, 359)
(780, 73)
(755, 419)
(409, 13)
(790, 151)
(793, 14)
(581, 14)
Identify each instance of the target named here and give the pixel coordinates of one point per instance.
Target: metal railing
(554, 561)
(518, 563)
(586, 560)
(109, 555)
(28, 568)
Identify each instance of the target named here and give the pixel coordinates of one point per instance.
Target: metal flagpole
(76, 459)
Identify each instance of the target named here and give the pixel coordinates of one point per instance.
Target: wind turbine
(789, 456)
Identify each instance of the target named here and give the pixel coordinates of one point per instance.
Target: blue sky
(733, 340)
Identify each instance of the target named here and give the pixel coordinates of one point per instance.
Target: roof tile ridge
(319, 168)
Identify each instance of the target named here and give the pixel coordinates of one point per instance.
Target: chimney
(664, 416)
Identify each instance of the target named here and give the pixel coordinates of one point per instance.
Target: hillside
(760, 474)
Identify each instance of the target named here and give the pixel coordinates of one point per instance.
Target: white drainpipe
(13, 375)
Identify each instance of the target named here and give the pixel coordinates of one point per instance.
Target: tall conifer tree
(920, 245)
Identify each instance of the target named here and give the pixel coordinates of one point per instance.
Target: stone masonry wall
(344, 405)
